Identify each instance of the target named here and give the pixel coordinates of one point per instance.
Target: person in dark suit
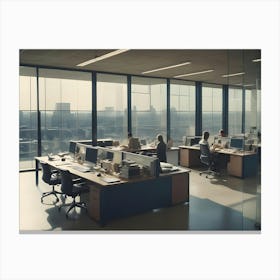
(161, 149)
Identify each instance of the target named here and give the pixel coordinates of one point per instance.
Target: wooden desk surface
(92, 175)
(189, 147)
(226, 151)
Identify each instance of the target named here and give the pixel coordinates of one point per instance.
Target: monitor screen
(72, 147)
(188, 141)
(80, 152)
(91, 155)
(237, 143)
(143, 142)
(101, 154)
(110, 155)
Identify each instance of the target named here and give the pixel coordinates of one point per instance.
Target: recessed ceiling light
(194, 73)
(167, 67)
(234, 74)
(107, 55)
(256, 60)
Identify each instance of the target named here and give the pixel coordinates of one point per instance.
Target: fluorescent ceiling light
(107, 55)
(234, 74)
(194, 73)
(248, 85)
(167, 67)
(256, 60)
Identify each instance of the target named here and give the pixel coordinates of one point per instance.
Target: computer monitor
(224, 141)
(72, 147)
(187, 141)
(101, 154)
(110, 155)
(143, 142)
(80, 152)
(91, 155)
(237, 143)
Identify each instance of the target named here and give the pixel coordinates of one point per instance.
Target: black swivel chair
(72, 187)
(207, 159)
(51, 177)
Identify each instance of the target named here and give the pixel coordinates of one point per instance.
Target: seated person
(214, 157)
(222, 141)
(161, 149)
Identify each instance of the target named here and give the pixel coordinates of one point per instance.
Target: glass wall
(112, 107)
(212, 101)
(252, 110)
(65, 107)
(148, 107)
(28, 143)
(182, 110)
(234, 111)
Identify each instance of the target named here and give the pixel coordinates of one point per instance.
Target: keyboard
(81, 168)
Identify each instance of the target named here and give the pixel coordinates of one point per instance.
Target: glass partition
(212, 100)
(65, 107)
(28, 143)
(182, 110)
(234, 111)
(252, 110)
(148, 108)
(112, 107)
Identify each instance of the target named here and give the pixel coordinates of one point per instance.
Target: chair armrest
(78, 180)
(79, 185)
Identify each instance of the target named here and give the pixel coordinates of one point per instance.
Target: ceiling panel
(137, 61)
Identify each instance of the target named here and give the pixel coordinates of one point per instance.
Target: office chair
(52, 178)
(72, 187)
(206, 158)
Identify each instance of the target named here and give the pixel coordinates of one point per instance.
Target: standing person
(161, 149)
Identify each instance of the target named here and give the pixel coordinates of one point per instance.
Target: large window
(212, 101)
(65, 107)
(234, 111)
(112, 107)
(252, 110)
(148, 102)
(182, 110)
(27, 117)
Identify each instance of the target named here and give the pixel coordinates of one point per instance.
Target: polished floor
(221, 204)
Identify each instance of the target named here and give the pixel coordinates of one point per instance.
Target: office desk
(172, 154)
(240, 164)
(133, 196)
(189, 156)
